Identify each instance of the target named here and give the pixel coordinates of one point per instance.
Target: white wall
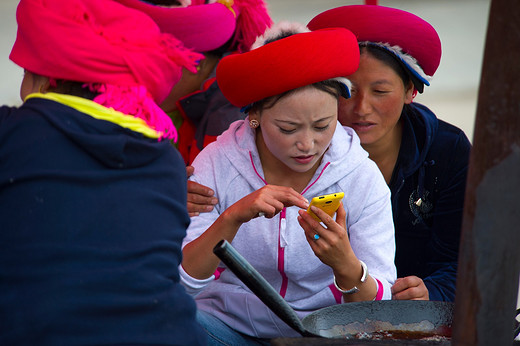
(11, 74)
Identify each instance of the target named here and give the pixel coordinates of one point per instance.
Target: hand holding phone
(328, 203)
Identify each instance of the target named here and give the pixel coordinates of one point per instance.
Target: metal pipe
(489, 259)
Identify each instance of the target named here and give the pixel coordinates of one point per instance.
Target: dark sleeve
(447, 217)
(5, 113)
(218, 115)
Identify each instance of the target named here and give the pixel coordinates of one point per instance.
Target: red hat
(287, 64)
(205, 27)
(413, 40)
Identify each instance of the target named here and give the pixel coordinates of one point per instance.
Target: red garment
(206, 114)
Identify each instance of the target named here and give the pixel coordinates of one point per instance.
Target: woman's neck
(385, 151)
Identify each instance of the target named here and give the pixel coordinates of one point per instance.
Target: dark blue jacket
(206, 113)
(428, 186)
(92, 217)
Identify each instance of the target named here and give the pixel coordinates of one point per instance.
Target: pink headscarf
(207, 26)
(104, 42)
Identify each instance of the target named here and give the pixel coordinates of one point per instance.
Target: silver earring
(253, 123)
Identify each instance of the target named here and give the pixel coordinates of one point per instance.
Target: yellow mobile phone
(328, 203)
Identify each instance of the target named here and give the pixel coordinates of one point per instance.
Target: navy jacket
(92, 218)
(428, 186)
(206, 113)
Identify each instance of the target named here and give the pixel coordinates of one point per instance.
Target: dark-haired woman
(424, 160)
(264, 170)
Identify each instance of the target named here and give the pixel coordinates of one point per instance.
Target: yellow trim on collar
(100, 112)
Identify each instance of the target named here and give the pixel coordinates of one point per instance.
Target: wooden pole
(489, 260)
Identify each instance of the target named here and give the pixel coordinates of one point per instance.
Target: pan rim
(439, 313)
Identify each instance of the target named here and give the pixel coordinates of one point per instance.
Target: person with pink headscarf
(92, 193)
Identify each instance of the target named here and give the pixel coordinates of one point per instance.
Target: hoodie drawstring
(420, 187)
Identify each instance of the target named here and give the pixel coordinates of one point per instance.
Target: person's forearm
(348, 279)
(442, 284)
(198, 258)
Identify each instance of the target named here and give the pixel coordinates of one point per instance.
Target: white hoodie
(277, 247)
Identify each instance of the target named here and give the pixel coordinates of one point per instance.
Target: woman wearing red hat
(424, 160)
(92, 193)
(264, 169)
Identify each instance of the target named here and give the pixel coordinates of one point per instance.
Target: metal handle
(260, 287)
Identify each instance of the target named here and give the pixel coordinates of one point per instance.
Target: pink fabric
(98, 41)
(217, 272)
(337, 294)
(380, 290)
(118, 51)
(137, 102)
(281, 258)
(380, 24)
(205, 27)
(253, 19)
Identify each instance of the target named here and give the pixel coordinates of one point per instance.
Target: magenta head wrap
(100, 41)
(205, 26)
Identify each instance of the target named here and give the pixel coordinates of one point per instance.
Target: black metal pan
(397, 318)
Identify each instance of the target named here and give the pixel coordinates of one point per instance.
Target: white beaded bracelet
(354, 289)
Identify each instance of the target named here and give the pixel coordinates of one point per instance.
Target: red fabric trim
(337, 294)
(379, 294)
(186, 134)
(187, 143)
(194, 151)
(208, 82)
(319, 176)
(209, 139)
(218, 272)
(281, 250)
(281, 257)
(253, 164)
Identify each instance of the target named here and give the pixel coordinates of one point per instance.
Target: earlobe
(411, 92)
(253, 123)
(43, 88)
(44, 84)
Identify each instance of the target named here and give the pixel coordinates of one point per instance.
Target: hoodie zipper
(282, 225)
